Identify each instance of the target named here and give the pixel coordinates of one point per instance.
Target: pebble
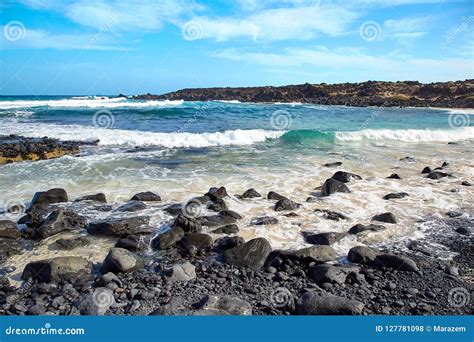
(412, 291)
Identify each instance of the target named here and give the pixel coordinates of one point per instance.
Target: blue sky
(109, 47)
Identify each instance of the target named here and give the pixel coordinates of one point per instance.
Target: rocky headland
(456, 94)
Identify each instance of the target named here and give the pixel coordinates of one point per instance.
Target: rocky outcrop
(57, 269)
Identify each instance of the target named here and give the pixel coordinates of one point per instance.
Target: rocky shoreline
(456, 94)
(184, 269)
(15, 148)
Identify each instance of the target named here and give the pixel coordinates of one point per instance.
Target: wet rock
(9, 230)
(182, 272)
(217, 205)
(69, 244)
(199, 241)
(225, 305)
(57, 269)
(328, 238)
(466, 183)
(463, 231)
(385, 217)
(58, 221)
(187, 224)
(230, 213)
(100, 197)
(325, 273)
(408, 159)
(250, 193)
(359, 228)
(427, 169)
(272, 195)
(362, 255)
(96, 303)
(132, 243)
(251, 254)
(345, 177)
(216, 220)
(228, 242)
(318, 303)
(120, 260)
(286, 204)
(264, 220)
(146, 196)
(318, 253)
(132, 206)
(454, 214)
(331, 215)
(9, 247)
(35, 215)
(174, 209)
(168, 238)
(120, 226)
(395, 195)
(332, 186)
(437, 175)
(398, 262)
(229, 229)
(394, 176)
(217, 193)
(56, 195)
(333, 164)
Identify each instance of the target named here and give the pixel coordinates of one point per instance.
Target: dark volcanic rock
(331, 215)
(224, 305)
(437, 175)
(120, 226)
(333, 164)
(69, 244)
(318, 253)
(331, 186)
(250, 193)
(385, 217)
(132, 243)
(466, 183)
(58, 221)
(120, 260)
(229, 229)
(188, 224)
(174, 209)
(317, 303)
(362, 255)
(100, 197)
(345, 177)
(325, 273)
(168, 238)
(217, 220)
(394, 195)
(146, 196)
(272, 195)
(286, 204)
(228, 242)
(217, 193)
(51, 196)
(394, 176)
(427, 169)
(264, 220)
(199, 241)
(132, 206)
(251, 254)
(323, 238)
(58, 269)
(217, 205)
(359, 228)
(9, 230)
(230, 213)
(398, 262)
(35, 215)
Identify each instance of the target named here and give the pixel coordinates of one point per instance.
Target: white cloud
(350, 61)
(41, 39)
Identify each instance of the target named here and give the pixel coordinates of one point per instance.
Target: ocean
(180, 149)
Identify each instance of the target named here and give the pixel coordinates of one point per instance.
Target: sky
(62, 47)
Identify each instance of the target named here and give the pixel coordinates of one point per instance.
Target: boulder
(132, 243)
(250, 193)
(51, 196)
(120, 226)
(199, 241)
(307, 255)
(325, 273)
(320, 303)
(264, 220)
(328, 238)
(394, 176)
(272, 195)
(286, 204)
(359, 228)
(36, 214)
(362, 255)
(58, 269)
(9, 230)
(466, 183)
(345, 177)
(187, 224)
(385, 217)
(251, 254)
(120, 260)
(217, 193)
(100, 197)
(230, 213)
(229, 229)
(168, 238)
(217, 205)
(216, 220)
(132, 206)
(331, 215)
(427, 169)
(181, 272)
(224, 305)
(69, 244)
(59, 221)
(146, 196)
(437, 175)
(174, 209)
(395, 195)
(228, 242)
(398, 262)
(331, 186)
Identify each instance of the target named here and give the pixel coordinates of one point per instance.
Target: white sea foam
(408, 135)
(94, 102)
(140, 138)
